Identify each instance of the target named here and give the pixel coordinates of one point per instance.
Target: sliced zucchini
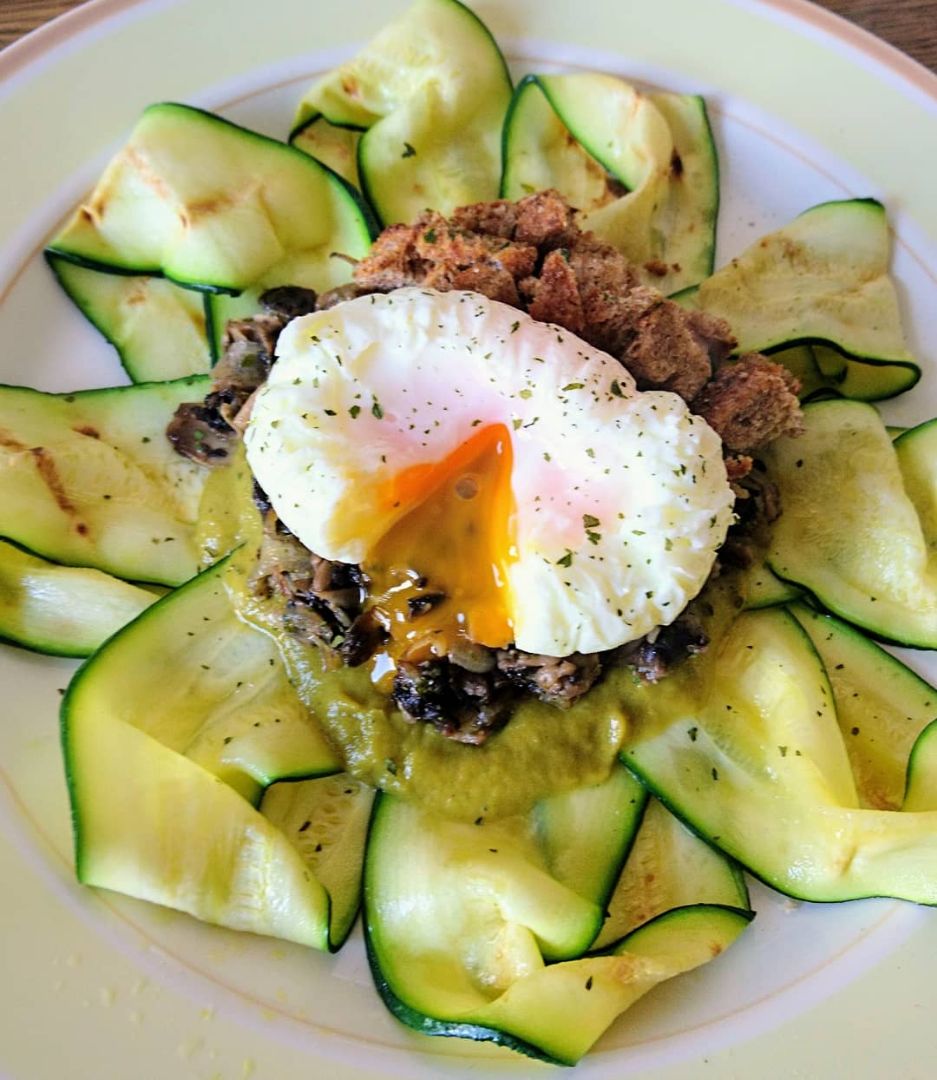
(823, 372)
(559, 1011)
(192, 675)
(62, 610)
(866, 380)
(801, 362)
(90, 479)
(455, 913)
(258, 729)
(849, 533)
(916, 450)
(882, 706)
(823, 279)
(540, 151)
(640, 168)
(762, 588)
(431, 91)
(326, 820)
(687, 219)
(214, 206)
(459, 921)
(831, 364)
(586, 833)
(332, 144)
(668, 867)
(921, 787)
(746, 749)
(151, 822)
(687, 937)
(228, 516)
(158, 329)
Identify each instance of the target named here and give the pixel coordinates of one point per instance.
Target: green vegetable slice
(154, 825)
(916, 450)
(431, 90)
(541, 152)
(921, 788)
(823, 372)
(460, 919)
(801, 361)
(761, 588)
(668, 867)
(332, 144)
(158, 329)
(866, 380)
(823, 279)
(214, 206)
(559, 1011)
(148, 820)
(62, 610)
(586, 833)
(849, 533)
(746, 749)
(326, 820)
(194, 676)
(641, 168)
(90, 479)
(687, 219)
(687, 937)
(882, 706)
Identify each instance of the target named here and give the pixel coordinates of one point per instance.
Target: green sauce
(542, 750)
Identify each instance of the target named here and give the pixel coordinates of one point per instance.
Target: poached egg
(497, 478)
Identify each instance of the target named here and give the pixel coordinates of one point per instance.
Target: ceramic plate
(805, 109)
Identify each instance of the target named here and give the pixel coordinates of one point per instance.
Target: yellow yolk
(438, 575)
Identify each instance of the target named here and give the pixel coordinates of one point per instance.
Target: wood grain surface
(911, 25)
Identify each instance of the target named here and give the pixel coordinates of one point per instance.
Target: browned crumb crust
(531, 254)
(750, 402)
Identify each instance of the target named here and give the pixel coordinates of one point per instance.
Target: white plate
(100, 986)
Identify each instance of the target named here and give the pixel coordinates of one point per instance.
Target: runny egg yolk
(438, 575)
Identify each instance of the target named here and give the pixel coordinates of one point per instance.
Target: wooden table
(911, 25)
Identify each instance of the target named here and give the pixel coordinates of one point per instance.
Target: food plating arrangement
(471, 547)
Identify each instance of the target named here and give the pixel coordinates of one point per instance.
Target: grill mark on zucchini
(49, 474)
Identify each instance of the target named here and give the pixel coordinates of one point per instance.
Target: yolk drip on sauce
(438, 575)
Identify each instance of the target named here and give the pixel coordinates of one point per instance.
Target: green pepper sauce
(540, 751)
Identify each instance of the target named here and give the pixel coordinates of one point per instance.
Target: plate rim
(34, 45)
(19, 57)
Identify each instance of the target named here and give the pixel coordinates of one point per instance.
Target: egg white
(622, 498)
